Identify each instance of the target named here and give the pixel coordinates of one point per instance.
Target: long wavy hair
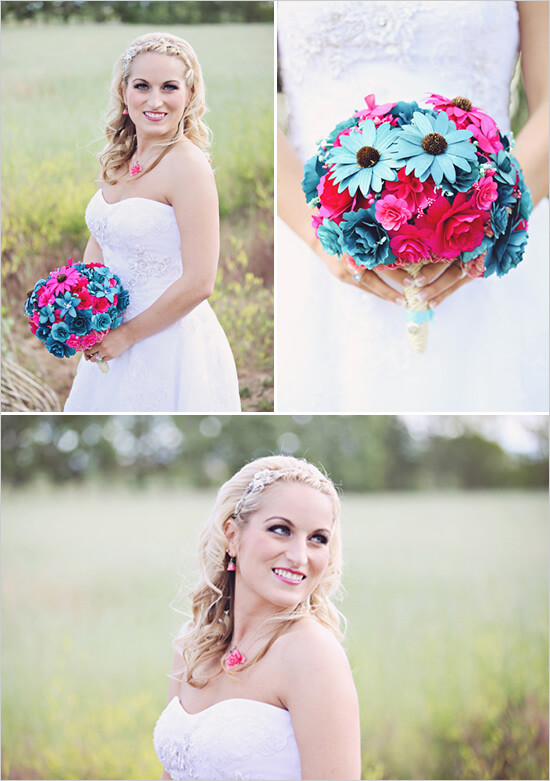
(208, 635)
(120, 130)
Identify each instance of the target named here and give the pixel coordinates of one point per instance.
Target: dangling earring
(231, 565)
(125, 111)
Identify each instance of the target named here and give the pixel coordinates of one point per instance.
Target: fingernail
(419, 281)
(432, 304)
(409, 282)
(401, 301)
(421, 296)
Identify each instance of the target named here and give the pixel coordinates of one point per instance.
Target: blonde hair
(208, 635)
(120, 130)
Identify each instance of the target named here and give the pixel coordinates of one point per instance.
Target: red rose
(86, 299)
(100, 305)
(456, 227)
(335, 204)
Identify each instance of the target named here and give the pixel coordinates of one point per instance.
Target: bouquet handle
(417, 313)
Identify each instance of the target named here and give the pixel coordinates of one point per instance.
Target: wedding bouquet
(400, 186)
(76, 307)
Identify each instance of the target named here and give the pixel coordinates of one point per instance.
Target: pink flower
(35, 317)
(63, 279)
(45, 297)
(375, 112)
(466, 116)
(392, 212)
(345, 132)
(86, 299)
(484, 193)
(456, 227)
(74, 342)
(417, 194)
(100, 304)
(335, 204)
(88, 340)
(410, 245)
(476, 267)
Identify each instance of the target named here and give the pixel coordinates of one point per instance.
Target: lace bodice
(141, 243)
(335, 53)
(233, 739)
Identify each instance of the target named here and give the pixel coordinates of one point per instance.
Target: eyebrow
(168, 81)
(287, 520)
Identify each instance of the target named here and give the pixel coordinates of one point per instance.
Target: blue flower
(505, 170)
(432, 146)
(43, 331)
(404, 111)
(365, 239)
(330, 236)
(313, 171)
(464, 180)
(82, 323)
(123, 300)
(506, 252)
(60, 332)
(47, 314)
(59, 349)
(365, 158)
(101, 321)
(67, 303)
(499, 219)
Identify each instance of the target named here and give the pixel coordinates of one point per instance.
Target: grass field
(55, 87)
(447, 604)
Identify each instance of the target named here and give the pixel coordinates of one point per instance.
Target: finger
(372, 283)
(446, 280)
(434, 302)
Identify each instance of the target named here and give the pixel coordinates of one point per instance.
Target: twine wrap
(418, 324)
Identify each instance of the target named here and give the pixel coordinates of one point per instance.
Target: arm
(92, 253)
(173, 691)
(532, 142)
(321, 698)
(191, 190)
(293, 209)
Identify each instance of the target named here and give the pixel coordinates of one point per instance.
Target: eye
(140, 86)
(280, 529)
(320, 538)
(171, 87)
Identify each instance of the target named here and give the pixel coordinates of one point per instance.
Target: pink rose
(335, 204)
(88, 340)
(456, 227)
(46, 296)
(392, 212)
(417, 194)
(410, 245)
(100, 305)
(74, 342)
(476, 267)
(485, 192)
(86, 299)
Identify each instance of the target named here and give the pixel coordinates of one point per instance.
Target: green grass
(448, 629)
(55, 88)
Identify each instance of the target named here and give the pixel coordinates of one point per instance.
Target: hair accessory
(131, 52)
(231, 565)
(257, 484)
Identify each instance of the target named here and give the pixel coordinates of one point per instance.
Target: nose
(155, 98)
(296, 553)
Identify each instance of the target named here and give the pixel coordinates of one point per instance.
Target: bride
(154, 222)
(342, 344)
(260, 685)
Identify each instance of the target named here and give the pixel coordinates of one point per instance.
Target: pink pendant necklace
(135, 168)
(234, 658)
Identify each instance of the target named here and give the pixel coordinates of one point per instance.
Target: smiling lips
(154, 116)
(289, 576)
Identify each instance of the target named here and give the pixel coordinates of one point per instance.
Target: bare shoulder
(186, 165)
(311, 655)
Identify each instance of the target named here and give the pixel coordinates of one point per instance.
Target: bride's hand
(113, 345)
(437, 280)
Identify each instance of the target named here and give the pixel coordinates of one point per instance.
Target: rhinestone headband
(258, 483)
(132, 51)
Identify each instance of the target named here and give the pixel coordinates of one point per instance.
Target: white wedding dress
(340, 349)
(234, 739)
(187, 367)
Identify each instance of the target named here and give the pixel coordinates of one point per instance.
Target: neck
(251, 623)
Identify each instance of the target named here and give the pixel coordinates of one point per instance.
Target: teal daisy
(365, 158)
(432, 146)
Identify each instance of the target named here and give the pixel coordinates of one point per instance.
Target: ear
(231, 533)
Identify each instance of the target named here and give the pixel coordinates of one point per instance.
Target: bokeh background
(56, 64)
(445, 528)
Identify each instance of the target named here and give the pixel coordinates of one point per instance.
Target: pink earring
(125, 111)
(231, 566)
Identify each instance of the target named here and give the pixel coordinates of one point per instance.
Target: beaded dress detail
(340, 349)
(187, 367)
(233, 739)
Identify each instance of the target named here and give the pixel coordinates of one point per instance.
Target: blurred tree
(362, 452)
